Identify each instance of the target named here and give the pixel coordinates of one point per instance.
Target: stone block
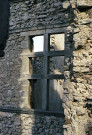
(24, 45)
(25, 65)
(24, 103)
(80, 111)
(66, 4)
(84, 3)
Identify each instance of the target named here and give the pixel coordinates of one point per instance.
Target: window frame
(46, 54)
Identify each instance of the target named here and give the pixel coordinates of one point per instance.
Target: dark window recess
(36, 65)
(56, 65)
(47, 71)
(36, 93)
(55, 95)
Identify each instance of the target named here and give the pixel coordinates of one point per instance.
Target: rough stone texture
(84, 3)
(31, 15)
(24, 124)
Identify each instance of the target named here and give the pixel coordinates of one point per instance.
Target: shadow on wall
(4, 24)
(51, 124)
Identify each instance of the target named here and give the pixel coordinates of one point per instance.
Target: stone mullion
(45, 81)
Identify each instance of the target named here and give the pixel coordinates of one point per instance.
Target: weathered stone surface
(44, 15)
(84, 3)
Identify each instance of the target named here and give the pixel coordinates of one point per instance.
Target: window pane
(57, 42)
(37, 43)
(36, 65)
(55, 95)
(56, 65)
(36, 94)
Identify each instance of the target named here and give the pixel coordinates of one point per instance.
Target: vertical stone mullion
(45, 81)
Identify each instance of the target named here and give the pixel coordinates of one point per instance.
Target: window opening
(56, 65)
(36, 65)
(36, 93)
(47, 71)
(57, 42)
(55, 95)
(37, 43)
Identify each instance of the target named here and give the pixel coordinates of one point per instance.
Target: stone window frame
(45, 54)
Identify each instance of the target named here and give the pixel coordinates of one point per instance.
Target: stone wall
(25, 124)
(42, 13)
(76, 17)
